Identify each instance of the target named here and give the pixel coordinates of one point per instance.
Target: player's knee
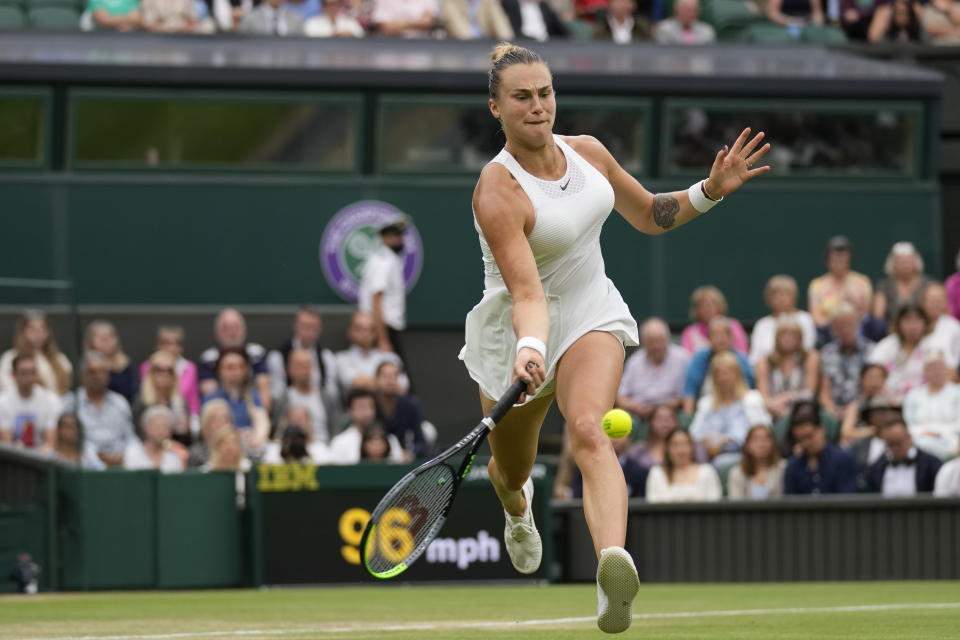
(586, 436)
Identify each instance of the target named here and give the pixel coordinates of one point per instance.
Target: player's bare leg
(587, 379)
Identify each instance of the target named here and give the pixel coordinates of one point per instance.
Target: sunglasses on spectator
(162, 370)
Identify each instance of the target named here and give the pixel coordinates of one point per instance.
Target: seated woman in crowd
(873, 389)
(236, 388)
(941, 19)
(839, 284)
(904, 283)
(945, 329)
(160, 387)
(156, 451)
(789, 373)
(932, 410)
(637, 460)
(375, 445)
(759, 476)
(170, 340)
(902, 352)
(680, 478)
(71, 447)
(227, 453)
(842, 360)
(706, 303)
(897, 21)
(101, 336)
(32, 336)
(781, 296)
(215, 416)
(725, 415)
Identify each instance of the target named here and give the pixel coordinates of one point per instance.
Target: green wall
(136, 239)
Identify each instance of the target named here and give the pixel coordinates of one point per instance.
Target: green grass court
(835, 610)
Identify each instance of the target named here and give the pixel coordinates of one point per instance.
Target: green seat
(767, 33)
(828, 36)
(724, 473)
(54, 19)
(830, 424)
(11, 18)
(42, 4)
(580, 30)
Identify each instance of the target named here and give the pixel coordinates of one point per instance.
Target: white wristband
(529, 342)
(698, 198)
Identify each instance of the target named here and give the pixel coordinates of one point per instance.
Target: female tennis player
(549, 314)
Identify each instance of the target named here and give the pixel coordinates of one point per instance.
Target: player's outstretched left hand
(735, 165)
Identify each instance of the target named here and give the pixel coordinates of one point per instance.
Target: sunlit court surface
(876, 610)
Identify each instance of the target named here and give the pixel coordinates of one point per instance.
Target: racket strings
(406, 520)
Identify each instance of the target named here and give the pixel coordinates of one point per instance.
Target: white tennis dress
(565, 240)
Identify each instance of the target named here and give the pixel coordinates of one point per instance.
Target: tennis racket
(410, 516)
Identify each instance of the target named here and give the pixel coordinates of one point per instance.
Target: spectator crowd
(621, 21)
(858, 393)
(239, 403)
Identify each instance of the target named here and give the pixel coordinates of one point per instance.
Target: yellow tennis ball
(617, 423)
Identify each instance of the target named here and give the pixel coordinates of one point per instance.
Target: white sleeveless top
(569, 214)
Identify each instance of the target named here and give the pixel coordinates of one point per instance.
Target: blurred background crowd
(858, 392)
(620, 21)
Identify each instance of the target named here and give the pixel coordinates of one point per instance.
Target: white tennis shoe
(521, 537)
(617, 585)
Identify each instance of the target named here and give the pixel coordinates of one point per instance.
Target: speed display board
(312, 519)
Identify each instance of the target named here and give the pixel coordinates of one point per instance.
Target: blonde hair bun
(501, 50)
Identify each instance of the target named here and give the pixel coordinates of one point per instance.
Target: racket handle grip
(507, 400)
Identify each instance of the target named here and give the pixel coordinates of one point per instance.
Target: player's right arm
(505, 215)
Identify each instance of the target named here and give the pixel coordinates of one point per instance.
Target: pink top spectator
(952, 286)
(189, 387)
(695, 337)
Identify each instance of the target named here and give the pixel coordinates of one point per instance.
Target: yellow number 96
(392, 535)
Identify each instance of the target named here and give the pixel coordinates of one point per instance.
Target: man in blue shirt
(821, 466)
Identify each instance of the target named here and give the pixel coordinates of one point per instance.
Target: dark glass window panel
(805, 142)
(294, 134)
(22, 130)
(419, 136)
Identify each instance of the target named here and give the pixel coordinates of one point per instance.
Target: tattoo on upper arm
(665, 209)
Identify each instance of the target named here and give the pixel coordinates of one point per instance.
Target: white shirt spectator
(108, 426)
(905, 375)
(319, 453)
(404, 10)
(901, 481)
(313, 403)
(732, 421)
(934, 418)
(765, 332)
(948, 480)
(345, 447)
(30, 420)
(383, 273)
(622, 33)
(135, 458)
(277, 370)
(707, 488)
(946, 333)
(534, 26)
(354, 362)
(44, 370)
(342, 25)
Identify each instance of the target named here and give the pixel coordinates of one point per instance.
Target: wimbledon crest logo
(353, 234)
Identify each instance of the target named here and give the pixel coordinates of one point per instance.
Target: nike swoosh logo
(564, 187)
